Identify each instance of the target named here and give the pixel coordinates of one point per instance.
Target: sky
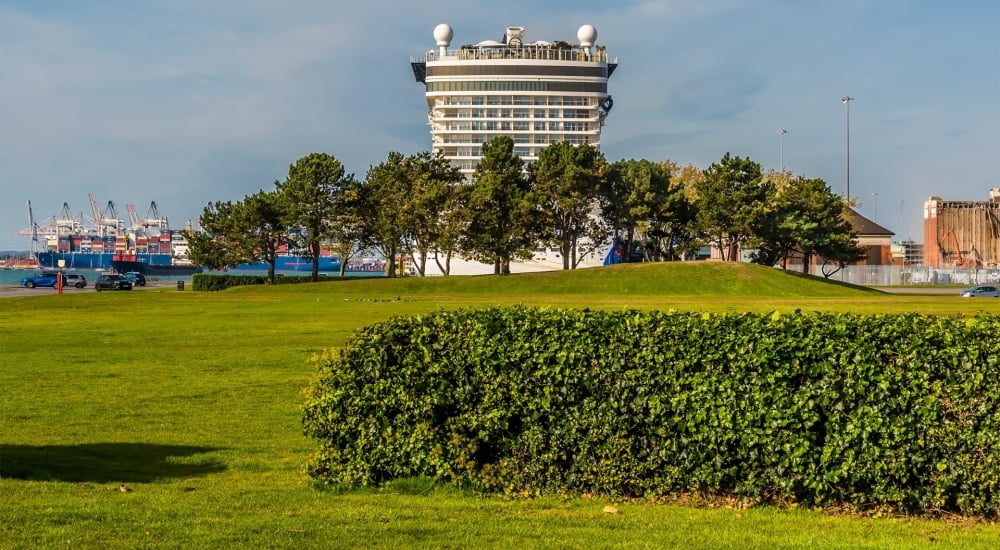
(190, 101)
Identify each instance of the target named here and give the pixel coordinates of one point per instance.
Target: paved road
(16, 290)
(940, 290)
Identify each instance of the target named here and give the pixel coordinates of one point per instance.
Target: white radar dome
(443, 34)
(587, 35)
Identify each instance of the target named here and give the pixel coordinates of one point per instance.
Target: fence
(884, 275)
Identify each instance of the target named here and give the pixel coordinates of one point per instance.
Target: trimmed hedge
(202, 281)
(212, 282)
(891, 411)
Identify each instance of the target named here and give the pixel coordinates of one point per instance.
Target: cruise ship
(538, 93)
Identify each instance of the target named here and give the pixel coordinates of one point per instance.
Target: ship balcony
(516, 101)
(513, 128)
(464, 141)
(591, 116)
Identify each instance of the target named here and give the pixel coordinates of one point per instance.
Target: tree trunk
(422, 264)
(390, 263)
(314, 248)
(446, 268)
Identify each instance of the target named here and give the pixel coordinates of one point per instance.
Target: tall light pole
(847, 101)
(875, 207)
(781, 144)
(901, 232)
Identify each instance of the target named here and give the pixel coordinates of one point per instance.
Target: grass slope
(159, 418)
(719, 279)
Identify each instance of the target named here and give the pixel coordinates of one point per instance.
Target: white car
(79, 281)
(981, 291)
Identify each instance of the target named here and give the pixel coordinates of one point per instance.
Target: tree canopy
(566, 180)
(384, 197)
(245, 232)
(730, 202)
(430, 206)
(503, 219)
(311, 196)
(805, 219)
(570, 198)
(643, 208)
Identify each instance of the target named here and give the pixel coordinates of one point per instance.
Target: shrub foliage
(888, 411)
(211, 282)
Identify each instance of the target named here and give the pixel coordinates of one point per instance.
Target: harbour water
(12, 277)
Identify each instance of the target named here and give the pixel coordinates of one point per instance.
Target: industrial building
(962, 234)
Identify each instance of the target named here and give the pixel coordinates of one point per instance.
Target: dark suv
(112, 282)
(136, 278)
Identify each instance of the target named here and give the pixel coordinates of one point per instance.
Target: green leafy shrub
(212, 282)
(896, 411)
(207, 282)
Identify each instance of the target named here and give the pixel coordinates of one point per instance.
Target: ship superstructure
(538, 93)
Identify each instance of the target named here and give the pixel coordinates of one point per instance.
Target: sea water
(12, 277)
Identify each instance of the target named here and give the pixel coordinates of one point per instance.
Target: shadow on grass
(105, 462)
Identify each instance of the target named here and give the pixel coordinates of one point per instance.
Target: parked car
(137, 279)
(112, 282)
(79, 281)
(981, 291)
(46, 278)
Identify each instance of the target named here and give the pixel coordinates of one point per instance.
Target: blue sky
(189, 101)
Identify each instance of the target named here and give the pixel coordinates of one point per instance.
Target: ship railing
(536, 53)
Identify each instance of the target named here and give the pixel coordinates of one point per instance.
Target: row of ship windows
(515, 113)
(520, 143)
(569, 101)
(517, 86)
(465, 161)
(516, 126)
(518, 70)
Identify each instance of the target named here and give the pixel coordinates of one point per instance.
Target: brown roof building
(875, 239)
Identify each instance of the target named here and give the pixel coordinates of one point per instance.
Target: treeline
(570, 199)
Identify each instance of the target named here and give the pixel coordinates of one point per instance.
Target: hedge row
(212, 282)
(888, 411)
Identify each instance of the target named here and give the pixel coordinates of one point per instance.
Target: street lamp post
(847, 101)
(875, 207)
(901, 231)
(781, 145)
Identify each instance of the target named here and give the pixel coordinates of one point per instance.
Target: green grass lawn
(160, 418)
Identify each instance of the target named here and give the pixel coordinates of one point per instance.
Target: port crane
(33, 228)
(107, 222)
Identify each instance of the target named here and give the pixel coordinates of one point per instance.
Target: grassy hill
(159, 418)
(720, 279)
